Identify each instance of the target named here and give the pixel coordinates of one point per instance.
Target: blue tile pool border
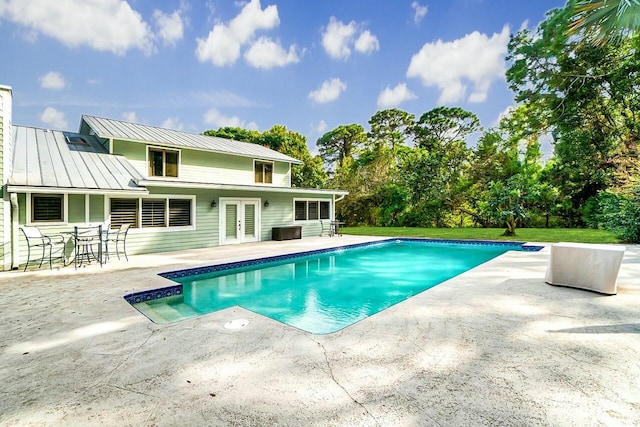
(174, 290)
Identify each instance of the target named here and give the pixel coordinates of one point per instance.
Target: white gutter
(62, 190)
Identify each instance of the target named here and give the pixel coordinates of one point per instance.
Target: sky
(310, 65)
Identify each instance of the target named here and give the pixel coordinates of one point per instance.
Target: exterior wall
(202, 166)
(94, 209)
(311, 227)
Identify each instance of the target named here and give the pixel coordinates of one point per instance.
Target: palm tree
(604, 21)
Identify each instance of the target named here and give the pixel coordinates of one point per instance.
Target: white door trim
(240, 202)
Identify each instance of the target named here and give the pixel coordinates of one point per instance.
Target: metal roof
(53, 160)
(116, 129)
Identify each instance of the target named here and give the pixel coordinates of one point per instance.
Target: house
(178, 190)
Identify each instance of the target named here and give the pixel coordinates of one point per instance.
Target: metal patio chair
(88, 244)
(327, 228)
(115, 237)
(35, 239)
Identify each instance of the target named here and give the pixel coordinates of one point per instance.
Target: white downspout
(334, 203)
(15, 238)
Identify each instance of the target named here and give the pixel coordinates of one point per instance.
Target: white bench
(585, 266)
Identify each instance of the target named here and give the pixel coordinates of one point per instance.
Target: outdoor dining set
(83, 245)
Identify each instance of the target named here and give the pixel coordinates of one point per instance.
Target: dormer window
(163, 163)
(263, 172)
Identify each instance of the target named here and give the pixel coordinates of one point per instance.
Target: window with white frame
(47, 208)
(307, 210)
(263, 172)
(152, 212)
(163, 162)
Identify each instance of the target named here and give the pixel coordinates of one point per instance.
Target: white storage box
(585, 266)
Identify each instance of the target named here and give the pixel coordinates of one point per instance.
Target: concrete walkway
(493, 346)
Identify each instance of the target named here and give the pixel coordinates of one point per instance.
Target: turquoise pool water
(326, 292)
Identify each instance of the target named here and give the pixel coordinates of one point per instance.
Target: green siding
(205, 234)
(76, 208)
(133, 151)
(203, 166)
(96, 209)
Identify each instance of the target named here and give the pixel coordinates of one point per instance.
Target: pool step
(166, 313)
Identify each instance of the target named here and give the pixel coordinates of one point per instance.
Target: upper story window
(163, 162)
(263, 172)
(47, 208)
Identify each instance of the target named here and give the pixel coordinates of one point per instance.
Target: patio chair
(88, 240)
(327, 228)
(35, 239)
(115, 237)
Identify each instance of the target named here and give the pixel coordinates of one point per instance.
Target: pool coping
(177, 289)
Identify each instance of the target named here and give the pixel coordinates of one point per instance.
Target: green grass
(546, 235)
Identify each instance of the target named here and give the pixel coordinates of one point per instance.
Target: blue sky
(308, 65)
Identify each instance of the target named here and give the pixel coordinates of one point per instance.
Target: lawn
(547, 235)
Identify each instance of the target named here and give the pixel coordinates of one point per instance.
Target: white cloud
(329, 91)
(223, 99)
(222, 45)
(170, 27)
(52, 80)
(265, 53)
(130, 116)
(390, 98)
(367, 42)
(337, 38)
(419, 11)
(106, 25)
(53, 118)
(320, 127)
(214, 118)
(475, 58)
(172, 123)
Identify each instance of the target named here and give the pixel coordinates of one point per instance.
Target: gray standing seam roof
(116, 129)
(64, 160)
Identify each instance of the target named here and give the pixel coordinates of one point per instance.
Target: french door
(239, 221)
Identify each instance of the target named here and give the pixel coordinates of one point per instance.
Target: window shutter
(153, 212)
(324, 210)
(124, 211)
(301, 210)
(47, 208)
(179, 212)
(313, 210)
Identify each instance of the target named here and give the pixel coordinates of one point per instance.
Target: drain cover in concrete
(236, 324)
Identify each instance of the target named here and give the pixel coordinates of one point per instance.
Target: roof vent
(76, 140)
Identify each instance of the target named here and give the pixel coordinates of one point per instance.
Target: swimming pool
(319, 291)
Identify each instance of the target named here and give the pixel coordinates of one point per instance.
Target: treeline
(442, 169)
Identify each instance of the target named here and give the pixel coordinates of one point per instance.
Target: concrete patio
(493, 346)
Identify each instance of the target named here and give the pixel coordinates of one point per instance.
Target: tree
(587, 97)
(341, 144)
(443, 126)
(390, 129)
(506, 203)
(235, 133)
(604, 21)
